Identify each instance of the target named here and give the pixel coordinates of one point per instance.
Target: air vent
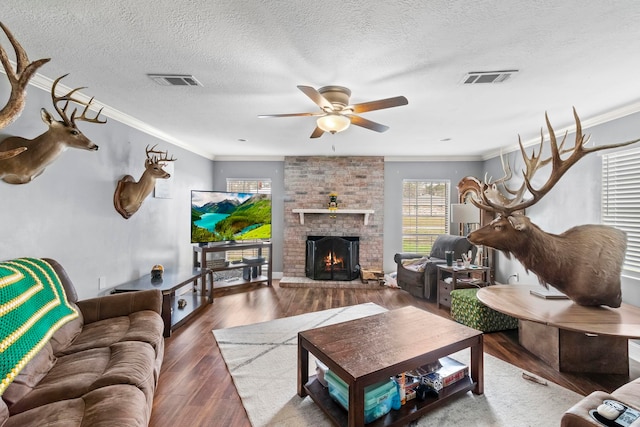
(477, 77)
(174, 79)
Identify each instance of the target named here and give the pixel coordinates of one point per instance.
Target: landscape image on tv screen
(218, 216)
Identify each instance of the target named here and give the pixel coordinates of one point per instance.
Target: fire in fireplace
(332, 258)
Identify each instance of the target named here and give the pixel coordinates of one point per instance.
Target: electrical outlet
(102, 282)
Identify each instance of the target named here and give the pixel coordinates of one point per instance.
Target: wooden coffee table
(374, 348)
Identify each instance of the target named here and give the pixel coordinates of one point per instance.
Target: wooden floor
(195, 388)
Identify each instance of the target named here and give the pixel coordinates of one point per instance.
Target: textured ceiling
(250, 55)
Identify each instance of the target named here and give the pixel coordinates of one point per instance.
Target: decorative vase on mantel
(333, 203)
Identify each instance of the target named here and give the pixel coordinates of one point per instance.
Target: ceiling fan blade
(317, 133)
(316, 97)
(379, 104)
(266, 116)
(362, 122)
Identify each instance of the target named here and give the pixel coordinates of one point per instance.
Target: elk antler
(493, 200)
(18, 79)
(154, 159)
(67, 98)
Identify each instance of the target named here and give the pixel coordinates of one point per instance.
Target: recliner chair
(418, 277)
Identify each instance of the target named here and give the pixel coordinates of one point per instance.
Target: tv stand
(214, 259)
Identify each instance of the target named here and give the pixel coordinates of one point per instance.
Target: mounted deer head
(584, 262)
(130, 194)
(18, 79)
(44, 149)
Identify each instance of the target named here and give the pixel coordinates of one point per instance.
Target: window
(425, 213)
(240, 185)
(262, 186)
(621, 201)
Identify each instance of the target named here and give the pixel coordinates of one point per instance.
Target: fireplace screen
(332, 258)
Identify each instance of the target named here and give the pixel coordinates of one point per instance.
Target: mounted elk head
(130, 194)
(18, 79)
(584, 262)
(44, 149)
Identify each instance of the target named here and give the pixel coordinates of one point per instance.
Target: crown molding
(390, 159)
(596, 120)
(45, 83)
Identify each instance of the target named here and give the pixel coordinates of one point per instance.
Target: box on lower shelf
(379, 398)
(217, 263)
(449, 372)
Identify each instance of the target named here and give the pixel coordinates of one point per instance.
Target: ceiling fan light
(333, 122)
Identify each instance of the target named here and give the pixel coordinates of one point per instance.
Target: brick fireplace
(308, 181)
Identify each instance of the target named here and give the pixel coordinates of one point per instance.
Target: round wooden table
(569, 337)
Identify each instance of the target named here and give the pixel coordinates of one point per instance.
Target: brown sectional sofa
(578, 415)
(100, 369)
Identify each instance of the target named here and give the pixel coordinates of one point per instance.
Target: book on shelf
(468, 280)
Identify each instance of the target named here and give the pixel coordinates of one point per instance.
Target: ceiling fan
(336, 114)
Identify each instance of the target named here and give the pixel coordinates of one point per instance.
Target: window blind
(248, 185)
(621, 201)
(240, 185)
(425, 213)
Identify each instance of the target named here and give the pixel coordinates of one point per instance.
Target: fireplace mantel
(365, 212)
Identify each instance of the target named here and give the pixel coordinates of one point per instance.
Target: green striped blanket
(33, 306)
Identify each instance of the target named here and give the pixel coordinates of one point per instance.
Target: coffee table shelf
(412, 409)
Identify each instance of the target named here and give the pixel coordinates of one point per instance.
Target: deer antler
(67, 98)
(11, 153)
(154, 159)
(18, 79)
(83, 116)
(493, 200)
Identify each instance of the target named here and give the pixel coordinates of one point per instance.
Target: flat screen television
(222, 216)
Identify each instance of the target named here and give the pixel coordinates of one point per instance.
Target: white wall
(67, 213)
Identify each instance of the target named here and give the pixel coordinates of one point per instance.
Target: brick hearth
(359, 182)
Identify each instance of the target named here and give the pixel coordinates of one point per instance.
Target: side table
(461, 277)
(172, 280)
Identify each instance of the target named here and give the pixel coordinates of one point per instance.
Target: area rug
(262, 361)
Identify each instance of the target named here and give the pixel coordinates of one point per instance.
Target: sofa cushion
(78, 373)
(112, 406)
(30, 375)
(131, 362)
(145, 326)
(64, 336)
